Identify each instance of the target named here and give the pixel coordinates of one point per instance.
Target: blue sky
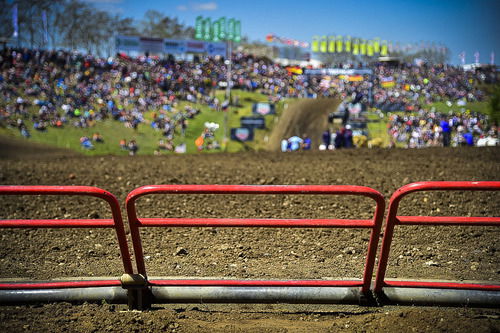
(461, 25)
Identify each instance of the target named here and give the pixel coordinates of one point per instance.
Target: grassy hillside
(377, 127)
(147, 138)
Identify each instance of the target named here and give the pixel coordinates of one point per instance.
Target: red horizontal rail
(244, 223)
(448, 220)
(60, 284)
(258, 283)
(374, 224)
(116, 222)
(441, 285)
(55, 190)
(253, 189)
(393, 219)
(68, 223)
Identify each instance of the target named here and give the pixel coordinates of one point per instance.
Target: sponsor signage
(253, 122)
(337, 71)
(154, 45)
(195, 46)
(127, 43)
(242, 134)
(214, 49)
(173, 46)
(170, 46)
(263, 109)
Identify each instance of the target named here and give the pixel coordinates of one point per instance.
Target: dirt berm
(305, 116)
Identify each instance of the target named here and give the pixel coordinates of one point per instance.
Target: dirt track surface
(417, 252)
(304, 116)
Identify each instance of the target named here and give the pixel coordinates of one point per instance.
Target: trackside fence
(374, 224)
(393, 219)
(140, 291)
(115, 223)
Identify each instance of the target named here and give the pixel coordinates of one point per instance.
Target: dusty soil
(456, 253)
(303, 117)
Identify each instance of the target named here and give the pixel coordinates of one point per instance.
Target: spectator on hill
(86, 143)
(284, 145)
(132, 148)
(348, 137)
(339, 138)
(326, 137)
(445, 131)
(97, 137)
(295, 142)
(123, 144)
(306, 144)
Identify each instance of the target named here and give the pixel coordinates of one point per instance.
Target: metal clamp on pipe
(138, 291)
(133, 281)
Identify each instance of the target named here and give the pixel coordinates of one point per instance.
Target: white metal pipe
(73, 295)
(298, 295)
(428, 296)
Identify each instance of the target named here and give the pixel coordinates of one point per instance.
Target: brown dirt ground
(459, 252)
(303, 116)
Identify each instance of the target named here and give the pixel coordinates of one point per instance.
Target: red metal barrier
(116, 222)
(393, 219)
(374, 224)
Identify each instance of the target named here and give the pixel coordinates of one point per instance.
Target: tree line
(76, 24)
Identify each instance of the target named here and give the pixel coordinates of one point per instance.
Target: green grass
(481, 107)
(147, 138)
(377, 128)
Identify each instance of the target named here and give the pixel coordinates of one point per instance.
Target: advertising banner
(174, 46)
(169, 46)
(263, 109)
(153, 45)
(194, 46)
(127, 43)
(242, 134)
(213, 49)
(337, 71)
(253, 122)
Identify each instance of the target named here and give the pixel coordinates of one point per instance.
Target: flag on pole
(331, 44)
(340, 43)
(376, 45)
(216, 31)
(315, 44)
(45, 27)
(14, 21)
(348, 44)
(355, 47)
(362, 47)
(476, 57)
(462, 57)
(492, 58)
(222, 28)
(369, 49)
(383, 49)
(323, 44)
(237, 31)
(387, 82)
(230, 29)
(198, 28)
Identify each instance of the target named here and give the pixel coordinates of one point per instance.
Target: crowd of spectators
(431, 128)
(59, 88)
